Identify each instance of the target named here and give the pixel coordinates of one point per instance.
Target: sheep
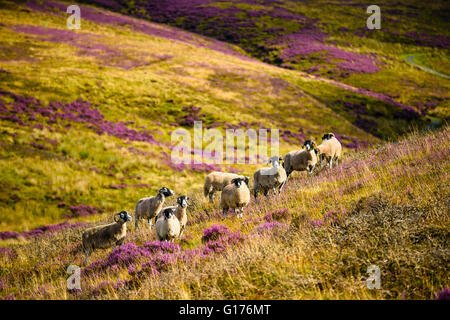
(302, 159)
(147, 208)
(236, 195)
(105, 236)
(180, 212)
(216, 181)
(168, 225)
(330, 149)
(270, 178)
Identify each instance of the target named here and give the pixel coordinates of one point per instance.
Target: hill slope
(87, 115)
(328, 39)
(386, 207)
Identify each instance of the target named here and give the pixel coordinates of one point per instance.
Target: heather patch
(191, 115)
(289, 36)
(88, 44)
(7, 252)
(214, 232)
(82, 210)
(278, 215)
(102, 17)
(273, 227)
(443, 295)
(39, 231)
(24, 110)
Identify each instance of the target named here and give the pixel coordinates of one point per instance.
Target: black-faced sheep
(330, 149)
(301, 160)
(147, 208)
(167, 226)
(180, 212)
(269, 178)
(105, 236)
(216, 181)
(236, 195)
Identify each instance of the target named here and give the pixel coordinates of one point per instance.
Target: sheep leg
(274, 189)
(331, 163)
(242, 212)
(211, 195)
(181, 232)
(225, 212)
(280, 188)
(87, 254)
(255, 192)
(136, 223)
(150, 223)
(266, 192)
(287, 175)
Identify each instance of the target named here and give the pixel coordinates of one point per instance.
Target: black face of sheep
(238, 181)
(327, 136)
(246, 180)
(168, 213)
(123, 216)
(166, 192)
(182, 201)
(309, 145)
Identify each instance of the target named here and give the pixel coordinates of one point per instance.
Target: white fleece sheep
(179, 211)
(330, 149)
(105, 236)
(234, 196)
(147, 208)
(216, 181)
(301, 160)
(269, 178)
(167, 226)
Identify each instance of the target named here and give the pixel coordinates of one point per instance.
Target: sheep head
(182, 201)
(122, 216)
(168, 213)
(275, 161)
(328, 136)
(238, 181)
(166, 192)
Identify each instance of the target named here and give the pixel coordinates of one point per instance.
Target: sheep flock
(170, 221)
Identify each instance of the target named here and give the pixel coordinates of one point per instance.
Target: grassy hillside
(86, 118)
(327, 39)
(87, 115)
(387, 207)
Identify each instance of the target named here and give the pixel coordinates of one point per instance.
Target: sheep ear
(116, 218)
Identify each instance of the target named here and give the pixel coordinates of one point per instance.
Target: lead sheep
(216, 181)
(105, 236)
(148, 208)
(180, 212)
(330, 149)
(301, 160)
(168, 226)
(269, 178)
(234, 196)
